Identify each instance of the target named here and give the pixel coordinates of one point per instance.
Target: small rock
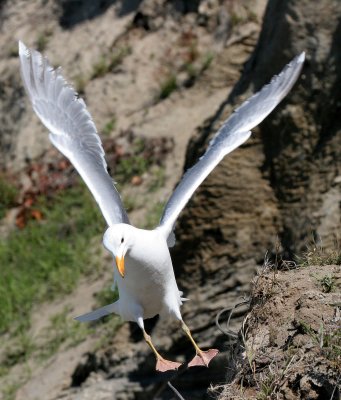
(136, 180)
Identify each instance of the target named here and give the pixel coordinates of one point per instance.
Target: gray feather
(99, 313)
(234, 132)
(72, 130)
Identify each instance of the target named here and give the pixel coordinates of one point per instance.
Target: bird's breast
(146, 283)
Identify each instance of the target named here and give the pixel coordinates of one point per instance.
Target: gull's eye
(122, 240)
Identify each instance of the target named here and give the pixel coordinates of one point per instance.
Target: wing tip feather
(301, 58)
(23, 50)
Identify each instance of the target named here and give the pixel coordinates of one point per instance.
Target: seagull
(143, 270)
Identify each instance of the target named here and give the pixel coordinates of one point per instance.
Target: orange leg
(202, 358)
(162, 364)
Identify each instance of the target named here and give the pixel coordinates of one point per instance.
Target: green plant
(130, 203)
(158, 178)
(108, 331)
(8, 194)
(109, 325)
(207, 61)
(13, 50)
(195, 70)
(153, 216)
(3, 370)
(118, 56)
(10, 390)
(138, 145)
(12, 383)
(271, 379)
(130, 166)
(62, 329)
(100, 68)
(20, 350)
(318, 255)
(328, 338)
(192, 71)
(235, 19)
(106, 64)
(109, 126)
(46, 258)
(331, 343)
(167, 87)
(106, 295)
(328, 283)
(307, 329)
(252, 16)
(80, 83)
(42, 41)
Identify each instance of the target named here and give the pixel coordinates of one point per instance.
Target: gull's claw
(163, 365)
(203, 358)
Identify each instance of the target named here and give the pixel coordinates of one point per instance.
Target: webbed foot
(203, 358)
(163, 365)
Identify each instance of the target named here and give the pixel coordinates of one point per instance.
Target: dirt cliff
(288, 346)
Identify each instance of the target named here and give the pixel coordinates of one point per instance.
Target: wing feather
(71, 128)
(234, 132)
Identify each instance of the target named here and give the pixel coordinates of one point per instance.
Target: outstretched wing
(234, 131)
(71, 128)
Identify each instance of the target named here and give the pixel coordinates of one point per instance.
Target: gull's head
(118, 239)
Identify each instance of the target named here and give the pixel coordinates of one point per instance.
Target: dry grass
(278, 355)
(316, 254)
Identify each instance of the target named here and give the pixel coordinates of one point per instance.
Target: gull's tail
(100, 312)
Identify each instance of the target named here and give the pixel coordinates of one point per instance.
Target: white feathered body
(149, 281)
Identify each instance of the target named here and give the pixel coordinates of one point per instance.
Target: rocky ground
(151, 73)
(289, 344)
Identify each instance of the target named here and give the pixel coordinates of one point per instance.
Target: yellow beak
(120, 265)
